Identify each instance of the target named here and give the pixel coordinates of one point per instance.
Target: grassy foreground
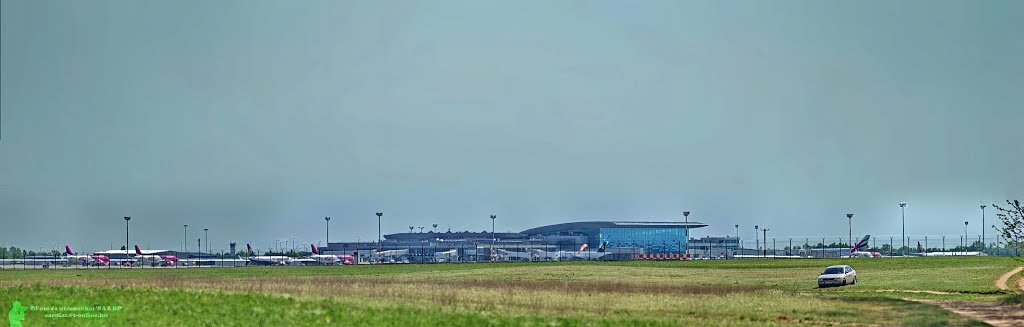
(734, 293)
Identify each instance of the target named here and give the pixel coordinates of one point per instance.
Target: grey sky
(257, 118)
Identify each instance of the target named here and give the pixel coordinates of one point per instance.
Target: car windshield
(834, 270)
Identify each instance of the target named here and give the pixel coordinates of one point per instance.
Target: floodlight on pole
(686, 232)
(903, 219)
(378, 226)
(328, 220)
(983, 228)
(849, 218)
(126, 219)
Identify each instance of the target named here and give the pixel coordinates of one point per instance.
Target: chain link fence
(709, 248)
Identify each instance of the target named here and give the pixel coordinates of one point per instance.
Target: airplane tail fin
(583, 248)
(248, 250)
(601, 249)
(67, 250)
(863, 242)
(137, 250)
(315, 251)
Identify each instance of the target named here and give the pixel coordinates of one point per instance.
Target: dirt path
(993, 313)
(1001, 282)
(899, 291)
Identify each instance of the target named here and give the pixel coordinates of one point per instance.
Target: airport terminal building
(624, 240)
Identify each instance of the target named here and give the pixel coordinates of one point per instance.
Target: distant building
(632, 236)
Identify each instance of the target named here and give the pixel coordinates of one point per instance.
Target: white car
(837, 275)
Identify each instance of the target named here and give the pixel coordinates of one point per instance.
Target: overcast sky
(256, 119)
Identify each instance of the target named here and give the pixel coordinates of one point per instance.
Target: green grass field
(733, 293)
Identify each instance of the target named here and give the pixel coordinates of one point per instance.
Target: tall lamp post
(328, 220)
(378, 226)
(737, 241)
(206, 238)
(765, 238)
(184, 243)
(757, 243)
(493, 239)
(126, 219)
(686, 231)
(983, 246)
(492, 228)
(849, 219)
(903, 218)
(966, 239)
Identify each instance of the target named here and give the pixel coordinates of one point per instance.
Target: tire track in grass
(993, 313)
(1001, 282)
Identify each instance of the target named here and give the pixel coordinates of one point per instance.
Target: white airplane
(278, 260)
(505, 255)
(571, 255)
(863, 254)
(447, 256)
(149, 257)
(85, 260)
(330, 259)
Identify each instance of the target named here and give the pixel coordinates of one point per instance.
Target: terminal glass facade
(652, 240)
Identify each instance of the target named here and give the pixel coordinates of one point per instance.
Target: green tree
(1013, 225)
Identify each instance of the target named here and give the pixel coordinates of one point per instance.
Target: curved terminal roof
(550, 229)
(450, 236)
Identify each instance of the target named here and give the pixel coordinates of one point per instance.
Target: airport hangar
(624, 240)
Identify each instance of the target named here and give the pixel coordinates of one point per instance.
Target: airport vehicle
(143, 257)
(331, 259)
(84, 260)
(275, 260)
(837, 276)
(854, 251)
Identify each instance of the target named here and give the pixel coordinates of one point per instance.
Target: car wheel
(855, 281)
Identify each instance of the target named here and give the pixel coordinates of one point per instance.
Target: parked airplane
(570, 255)
(331, 259)
(85, 260)
(150, 257)
(863, 254)
(506, 255)
(278, 260)
(447, 256)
